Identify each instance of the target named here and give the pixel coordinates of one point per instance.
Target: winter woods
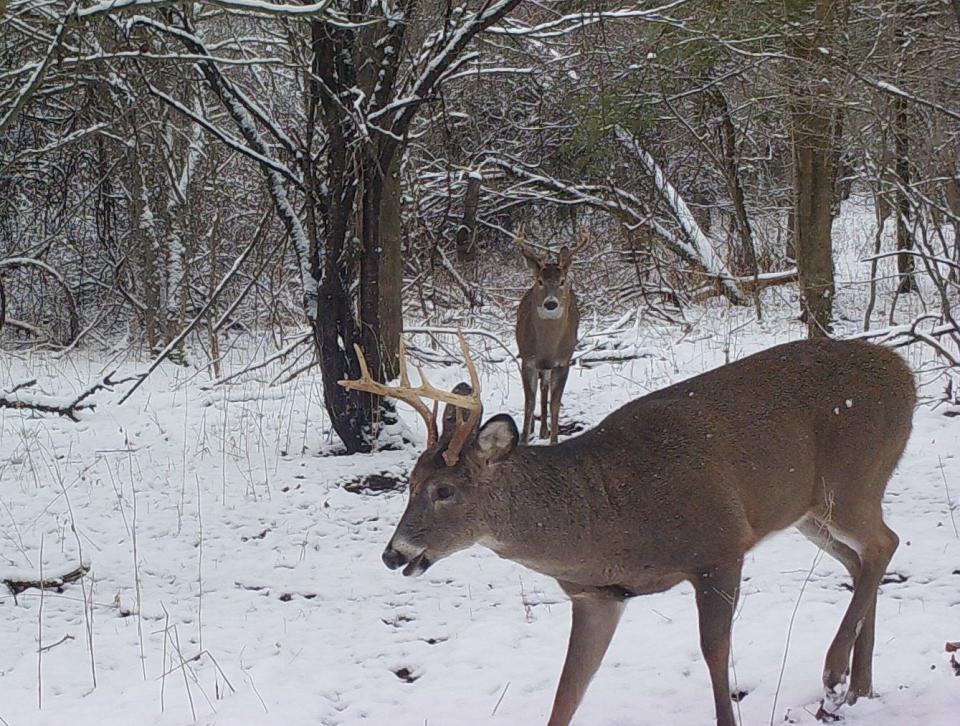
(217, 166)
(212, 212)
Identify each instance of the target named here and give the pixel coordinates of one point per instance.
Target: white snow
(231, 570)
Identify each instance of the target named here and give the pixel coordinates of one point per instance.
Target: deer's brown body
(547, 322)
(678, 486)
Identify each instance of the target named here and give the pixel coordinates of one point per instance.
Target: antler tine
(412, 396)
(585, 240)
(474, 405)
(520, 240)
(404, 392)
(429, 417)
(404, 378)
(471, 368)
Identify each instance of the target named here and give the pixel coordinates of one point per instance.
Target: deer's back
(775, 431)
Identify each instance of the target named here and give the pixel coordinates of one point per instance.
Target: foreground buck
(547, 322)
(677, 485)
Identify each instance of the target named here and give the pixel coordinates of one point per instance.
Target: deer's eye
(442, 493)
(540, 283)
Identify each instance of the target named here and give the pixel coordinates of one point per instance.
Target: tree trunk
(745, 257)
(381, 266)
(901, 146)
(466, 249)
(814, 122)
(142, 225)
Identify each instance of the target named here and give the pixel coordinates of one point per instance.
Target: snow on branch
(36, 78)
(445, 57)
(18, 581)
(223, 136)
(234, 102)
(575, 21)
(108, 7)
(893, 90)
(202, 54)
(898, 336)
(701, 243)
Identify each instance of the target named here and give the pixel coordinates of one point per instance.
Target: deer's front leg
(595, 618)
(528, 374)
(544, 399)
(558, 382)
(717, 591)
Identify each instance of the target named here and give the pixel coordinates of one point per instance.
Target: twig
(499, 700)
(50, 647)
(453, 331)
(946, 490)
(40, 634)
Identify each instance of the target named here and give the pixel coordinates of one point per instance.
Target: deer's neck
(542, 510)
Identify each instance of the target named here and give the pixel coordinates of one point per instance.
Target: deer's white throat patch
(554, 314)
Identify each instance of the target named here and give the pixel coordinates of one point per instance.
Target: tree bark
(464, 241)
(745, 258)
(901, 146)
(381, 266)
(814, 122)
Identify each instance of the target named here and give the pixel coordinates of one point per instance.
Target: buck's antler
(526, 250)
(412, 395)
(585, 240)
(465, 428)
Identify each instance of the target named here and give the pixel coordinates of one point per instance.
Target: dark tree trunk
(147, 252)
(815, 129)
(335, 328)
(381, 267)
(466, 250)
(905, 262)
(745, 257)
(901, 150)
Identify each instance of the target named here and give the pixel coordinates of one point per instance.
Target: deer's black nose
(393, 559)
(550, 304)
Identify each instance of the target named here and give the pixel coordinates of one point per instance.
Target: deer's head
(446, 486)
(551, 279)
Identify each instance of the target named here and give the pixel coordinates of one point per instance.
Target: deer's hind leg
(864, 545)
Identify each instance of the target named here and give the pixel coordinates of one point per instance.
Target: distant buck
(677, 485)
(547, 322)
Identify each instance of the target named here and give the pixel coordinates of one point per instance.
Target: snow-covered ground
(234, 581)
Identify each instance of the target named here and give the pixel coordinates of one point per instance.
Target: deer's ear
(449, 422)
(565, 258)
(496, 439)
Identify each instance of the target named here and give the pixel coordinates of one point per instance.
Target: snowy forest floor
(234, 581)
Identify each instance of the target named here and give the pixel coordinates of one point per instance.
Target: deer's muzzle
(416, 564)
(393, 559)
(550, 309)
